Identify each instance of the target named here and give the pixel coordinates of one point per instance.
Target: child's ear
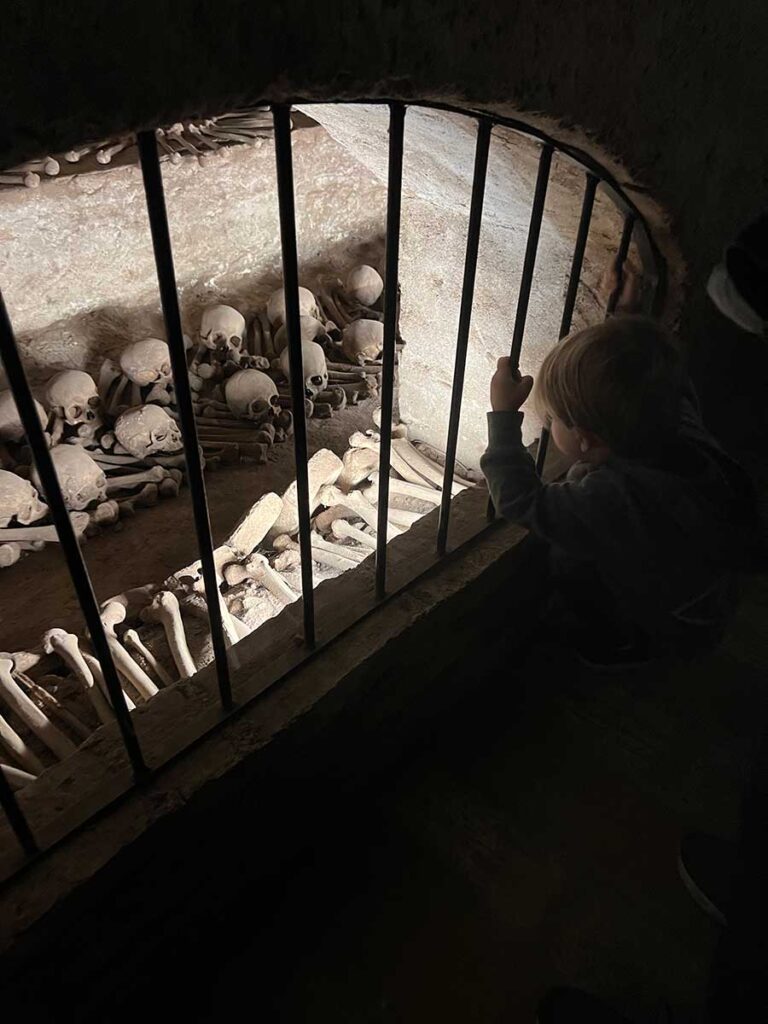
(588, 441)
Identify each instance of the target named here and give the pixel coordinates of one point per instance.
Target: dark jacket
(662, 535)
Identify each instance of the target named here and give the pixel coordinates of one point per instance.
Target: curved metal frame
(635, 229)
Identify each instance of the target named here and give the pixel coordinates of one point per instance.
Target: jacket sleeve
(570, 515)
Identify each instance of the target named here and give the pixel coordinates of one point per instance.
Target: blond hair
(620, 380)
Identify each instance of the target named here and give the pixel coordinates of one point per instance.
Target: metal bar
(394, 196)
(16, 818)
(33, 429)
(281, 114)
(579, 248)
(166, 278)
(531, 250)
(621, 256)
(465, 317)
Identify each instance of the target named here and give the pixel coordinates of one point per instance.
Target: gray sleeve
(570, 515)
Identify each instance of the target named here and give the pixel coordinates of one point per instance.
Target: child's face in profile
(567, 439)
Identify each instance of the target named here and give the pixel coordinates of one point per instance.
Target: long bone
(357, 503)
(46, 165)
(257, 568)
(47, 534)
(128, 481)
(9, 554)
(320, 555)
(30, 713)
(132, 639)
(29, 179)
(56, 709)
(112, 614)
(461, 474)
(344, 550)
(15, 777)
(104, 156)
(15, 745)
(101, 685)
(342, 529)
(396, 461)
(422, 492)
(421, 464)
(67, 647)
(165, 610)
(403, 517)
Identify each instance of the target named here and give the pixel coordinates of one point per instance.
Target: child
(644, 531)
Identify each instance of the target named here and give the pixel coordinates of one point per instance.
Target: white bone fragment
(46, 165)
(396, 461)
(147, 430)
(16, 746)
(165, 610)
(28, 178)
(319, 555)
(343, 530)
(421, 464)
(128, 481)
(47, 534)
(19, 500)
(344, 550)
(15, 777)
(112, 614)
(255, 524)
(359, 504)
(276, 306)
(364, 284)
(81, 479)
(422, 492)
(11, 427)
(258, 568)
(173, 154)
(101, 685)
(9, 555)
(359, 463)
(67, 647)
(52, 704)
(462, 474)
(132, 639)
(362, 340)
(310, 329)
(146, 362)
(323, 468)
(104, 156)
(30, 713)
(74, 156)
(403, 517)
(314, 366)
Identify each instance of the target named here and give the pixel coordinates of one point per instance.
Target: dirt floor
(36, 594)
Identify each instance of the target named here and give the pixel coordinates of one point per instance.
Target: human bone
(359, 504)
(16, 778)
(132, 639)
(362, 340)
(154, 475)
(22, 752)
(358, 464)
(81, 479)
(29, 713)
(319, 555)
(147, 430)
(47, 534)
(146, 362)
(251, 394)
(19, 500)
(255, 524)
(422, 492)
(73, 397)
(101, 685)
(315, 367)
(222, 327)
(112, 614)
(257, 568)
(309, 328)
(323, 468)
(11, 427)
(346, 531)
(165, 610)
(348, 551)
(67, 647)
(431, 472)
(364, 283)
(276, 306)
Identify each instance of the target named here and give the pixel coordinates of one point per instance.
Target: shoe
(572, 1006)
(707, 865)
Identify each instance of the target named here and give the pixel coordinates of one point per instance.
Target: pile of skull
(55, 697)
(116, 444)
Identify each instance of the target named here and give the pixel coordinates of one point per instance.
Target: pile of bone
(53, 698)
(201, 139)
(116, 444)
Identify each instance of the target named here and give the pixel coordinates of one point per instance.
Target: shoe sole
(699, 897)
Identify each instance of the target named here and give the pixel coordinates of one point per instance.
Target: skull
(72, 396)
(315, 368)
(147, 430)
(362, 340)
(364, 284)
(251, 394)
(19, 500)
(311, 330)
(276, 306)
(146, 362)
(11, 428)
(82, 480)
(222, 327)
